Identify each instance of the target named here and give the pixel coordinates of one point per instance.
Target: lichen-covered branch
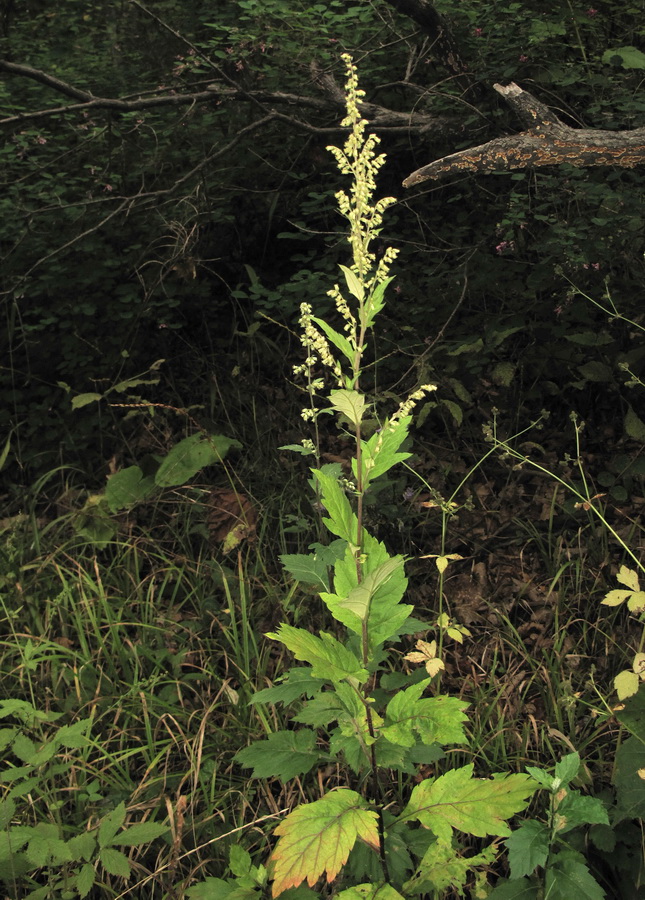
(546, 142)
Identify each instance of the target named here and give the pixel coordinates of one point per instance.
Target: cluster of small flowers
(408, 405)
(504, 245)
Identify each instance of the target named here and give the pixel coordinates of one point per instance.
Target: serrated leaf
(359, 600)
(442, 868)
(191, 455)
(239, 860)
(626, 684)
(630, 787)
(473, 805)
(83, 845)
(317, 838)
(284, 755)
(567, 768)
(110, 824)
(341, 520)
(140, 833)
(350, 403)
(7, 812)
(629, 578)
(522, 889)
(306, 567)
(369, 892)
(528, 848)
(381, 452)
(576, 809)
(567, 877)
(84, 881)
(376, 301)
(327, 657)
(74, 736)
(297, 682)
(436, 719)
(114, 862)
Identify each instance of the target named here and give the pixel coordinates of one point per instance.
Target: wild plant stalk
(370, 735)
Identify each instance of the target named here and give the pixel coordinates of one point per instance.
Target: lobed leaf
(472, 805)
(528, 848)
(283, 755)
(327, 657)
(317, 838)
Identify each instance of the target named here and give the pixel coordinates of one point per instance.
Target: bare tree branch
(547, 142)
(379, 116)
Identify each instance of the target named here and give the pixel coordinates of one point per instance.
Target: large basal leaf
(327, 657)
(306, 567)
(630, 786)
(283, 755)
(189, 456)
(567, 877)
(475, 806)
(317, 838)
(127, 487)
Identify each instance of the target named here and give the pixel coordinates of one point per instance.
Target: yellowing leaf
(629, 578)
(615, 598)
(350, 404)
(426, 653)
(636, 602)
(317, 838)
(626, 684)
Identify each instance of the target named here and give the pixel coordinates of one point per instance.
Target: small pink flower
(503, 246)
(478, 32)
(591, 12)
(523, 58)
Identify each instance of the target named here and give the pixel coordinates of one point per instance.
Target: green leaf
(306, 567)
(7, 812)
(354, 285)
(341, 520)
(239, 860)
(626, 684)
(442, 868)
(127, 487)
(114, 862)
(522, 889)
(5, 452)
(630, 787)
(284, 755)
(473, 805)
(327, 657)
(140, 833)
(110, 824)
(190, 456)
(350, 403)
(567, 877)
(83, 845)
(528, 848)
(338, 340)
(84, 881)
(46, 848)
(634, 426)
(369, 892)
(211, 889)
(318, 837)
(542, 777)
(297, 682)
(359, 600)
(576, 809)
(596, 371)
(628, 57)
(567, 768)
(376, 301)
(85, 399)
(436, 719)
(74, 736)
(381, 452)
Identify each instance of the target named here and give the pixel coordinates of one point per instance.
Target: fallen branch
(547, 142)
